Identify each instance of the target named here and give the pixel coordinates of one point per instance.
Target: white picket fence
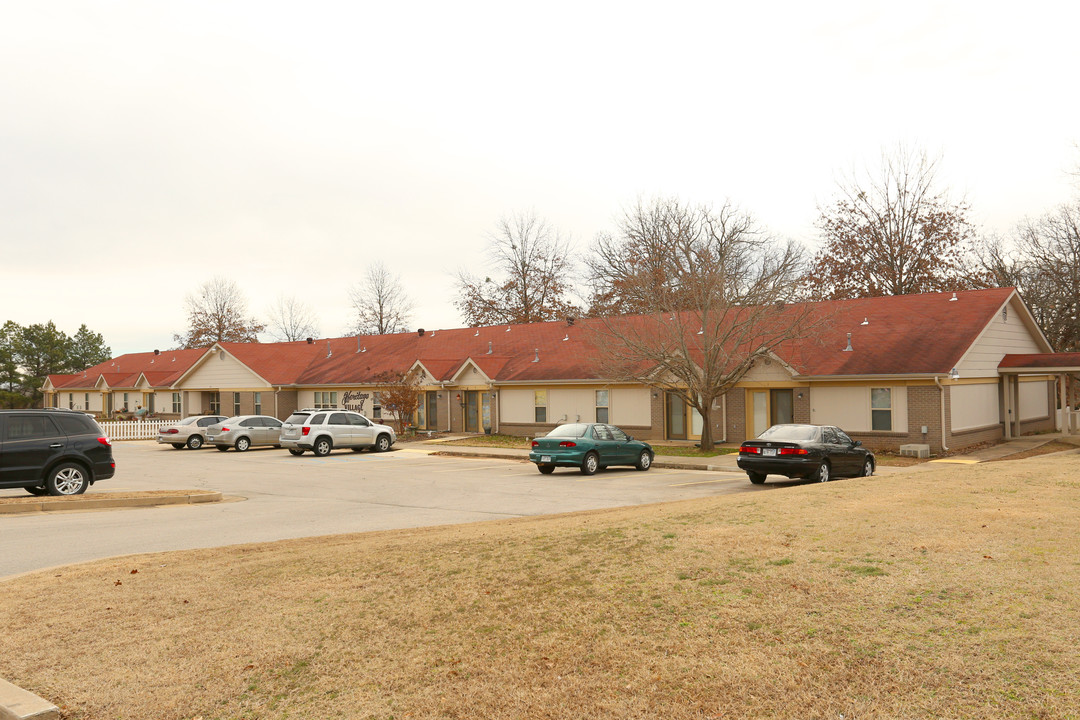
(132, 429)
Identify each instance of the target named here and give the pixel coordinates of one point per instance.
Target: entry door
(782, 410)
(432, 400)
(472, 414)
(485, 411)
(676, 417)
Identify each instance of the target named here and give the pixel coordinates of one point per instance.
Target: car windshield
(790, 433)
(572, 430)
(297, 418)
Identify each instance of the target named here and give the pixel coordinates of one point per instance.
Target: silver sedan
(244, 431)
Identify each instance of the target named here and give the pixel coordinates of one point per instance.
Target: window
(86, 401)
(618, 434)
(325, 399)
(176, 403)
(601, 406)
(376, 405)
(258, 403)
(881, 409)
(71, 401)
(421, 412)
(236, 403)
(540, 406)
(30, 427)
(338, 419)
(125, 399)
(215, 403)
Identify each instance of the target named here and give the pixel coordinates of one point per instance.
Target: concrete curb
(81, 502)
(18, 704)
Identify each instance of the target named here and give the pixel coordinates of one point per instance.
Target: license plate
(545, 458)
(768, 452)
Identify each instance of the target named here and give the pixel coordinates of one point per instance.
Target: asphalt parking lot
(272, 495)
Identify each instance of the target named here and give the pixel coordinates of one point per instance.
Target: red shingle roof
(1040, 360)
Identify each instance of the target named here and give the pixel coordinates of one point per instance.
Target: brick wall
(286, 403)
(736, 415)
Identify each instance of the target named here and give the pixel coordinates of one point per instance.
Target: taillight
(224, 429)
(535, 444)
(305, 430)
(750, 449)
(568, 443)
(104, 441)
(794, 451)
(170, 431)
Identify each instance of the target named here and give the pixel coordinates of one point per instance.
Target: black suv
(54, 451)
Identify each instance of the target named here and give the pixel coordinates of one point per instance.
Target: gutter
(944, 447)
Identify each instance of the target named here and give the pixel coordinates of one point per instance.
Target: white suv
(320, 430)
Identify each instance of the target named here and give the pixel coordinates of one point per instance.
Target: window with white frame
(176, 403)
(258, 403)
(325, 398)
(215, 403)
(71, 401)
(540, 406)
(602, 406)
(376, 406)
(881, 409)
(86, 401)
(236, 403)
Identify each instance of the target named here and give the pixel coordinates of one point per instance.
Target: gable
(1003, 335)
(767, 370)
(221, 370)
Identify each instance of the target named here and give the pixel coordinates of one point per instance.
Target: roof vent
(865, 321)
(157, 352)
(566, 337)
(489, 347)
(537, 358)
(570, 320)
(848, 348)
(477, 333)
(311, 341)
(953, 298)
(420, 332)
(329, 352)
(507, 328)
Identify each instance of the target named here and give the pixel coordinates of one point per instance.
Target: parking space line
(705, 482)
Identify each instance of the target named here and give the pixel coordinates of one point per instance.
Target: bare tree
(711, 291)
(535, 276)
(1049, 251)
(894, 233)
(218, 313)
(380, 303)
(291, 319)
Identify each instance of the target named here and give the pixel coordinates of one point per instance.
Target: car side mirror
(857, 443)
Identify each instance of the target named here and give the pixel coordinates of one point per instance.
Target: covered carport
(1061, 365)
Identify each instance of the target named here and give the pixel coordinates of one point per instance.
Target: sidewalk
(727, 463)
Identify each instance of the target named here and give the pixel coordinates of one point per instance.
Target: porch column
(1007, 396)
(1064, 411)
(1016, 405)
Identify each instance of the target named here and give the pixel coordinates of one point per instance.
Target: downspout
(944, 447)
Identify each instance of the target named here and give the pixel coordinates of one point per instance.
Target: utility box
(915, 450)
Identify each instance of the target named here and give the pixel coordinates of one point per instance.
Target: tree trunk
(706, 427)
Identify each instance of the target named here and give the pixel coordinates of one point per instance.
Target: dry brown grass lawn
(948, 593)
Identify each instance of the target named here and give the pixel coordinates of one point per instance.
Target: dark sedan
(589, 447)
(817, 452)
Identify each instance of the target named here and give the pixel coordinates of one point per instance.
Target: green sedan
(589, 446)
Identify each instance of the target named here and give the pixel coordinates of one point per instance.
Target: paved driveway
(277, 496)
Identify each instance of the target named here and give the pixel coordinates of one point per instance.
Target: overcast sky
(147, 146)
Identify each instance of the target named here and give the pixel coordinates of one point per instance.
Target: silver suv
(320, 430)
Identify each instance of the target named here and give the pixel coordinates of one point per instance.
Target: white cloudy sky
(148, 146)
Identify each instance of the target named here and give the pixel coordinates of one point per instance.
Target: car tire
(242, 444)
(824, 473)
(545, 469)
(222, 448)
(67, 479)
(868, 468)
(756, 478)
(194, 442)
(644, 460)
(322, 447)
(590, 464)
(382, 443)
(37, 491)
(178, 446)
(296, 451)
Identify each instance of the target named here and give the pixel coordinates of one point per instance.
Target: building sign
(354, 400)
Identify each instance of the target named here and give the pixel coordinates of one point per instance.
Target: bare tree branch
(217, 313)
(291, 319)
(380, 302)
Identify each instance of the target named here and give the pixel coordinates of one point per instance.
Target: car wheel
(322, 447)
(590, 464)
(222, 448)
(823, 473)
(382, 443)
(195, 442)
(37, 490)
(178, 446)
(242, 444)
(296, 451)
(67, 479)
(868, 468)
(757, 478)
(545, 469)
(644, 460)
